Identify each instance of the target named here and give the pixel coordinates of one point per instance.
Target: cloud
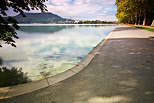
(101, 14)
(81, 9)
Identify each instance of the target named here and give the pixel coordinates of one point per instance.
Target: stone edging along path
(11, 91)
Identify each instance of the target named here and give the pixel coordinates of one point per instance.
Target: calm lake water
(46, 49)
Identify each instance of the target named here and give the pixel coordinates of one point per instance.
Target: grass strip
(145, 28)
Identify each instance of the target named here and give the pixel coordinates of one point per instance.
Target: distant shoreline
(36, 24)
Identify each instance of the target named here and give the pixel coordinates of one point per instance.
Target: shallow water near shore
(44, 50)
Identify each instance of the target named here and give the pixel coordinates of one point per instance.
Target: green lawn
(145, 28)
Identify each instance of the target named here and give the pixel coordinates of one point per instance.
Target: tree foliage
(96, 22)
(8, 26)
(135, 11)
(9, 77)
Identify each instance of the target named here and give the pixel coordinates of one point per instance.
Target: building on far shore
(76, 21)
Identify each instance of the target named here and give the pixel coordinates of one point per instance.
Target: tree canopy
(8, 26)
(14, 76)
(135, 11)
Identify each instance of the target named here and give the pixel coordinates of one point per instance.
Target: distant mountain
(40, 18)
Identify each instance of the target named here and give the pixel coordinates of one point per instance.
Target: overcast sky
(82, 9)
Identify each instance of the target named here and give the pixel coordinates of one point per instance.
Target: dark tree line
(139, 12)
(96, 22)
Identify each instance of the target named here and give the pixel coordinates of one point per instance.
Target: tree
(8, 26)
(80, 22)
(14, 76)
(135, 11)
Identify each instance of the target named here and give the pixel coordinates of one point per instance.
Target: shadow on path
(124, 28)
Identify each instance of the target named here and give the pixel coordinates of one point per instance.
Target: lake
(44, 50)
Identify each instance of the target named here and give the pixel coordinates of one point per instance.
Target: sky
(81, 9)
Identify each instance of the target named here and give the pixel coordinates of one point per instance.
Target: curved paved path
(121, 72)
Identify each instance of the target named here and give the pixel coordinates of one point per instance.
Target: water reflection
(96, 25)
(43, 29)
(1, 61)
(44, 55)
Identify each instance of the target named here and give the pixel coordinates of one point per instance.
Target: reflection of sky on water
(53, 49)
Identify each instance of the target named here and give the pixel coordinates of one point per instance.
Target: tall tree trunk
(139, 20)
(144, 21)
(136, 18)
(152, 23)
(132, 19)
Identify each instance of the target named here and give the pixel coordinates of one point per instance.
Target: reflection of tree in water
(95, 25)
(44, 29)
(1, 61)
(52, 29)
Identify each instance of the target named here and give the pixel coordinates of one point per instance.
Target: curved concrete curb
(7, 92)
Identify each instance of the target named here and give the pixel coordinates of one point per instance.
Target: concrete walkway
(122, 71)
